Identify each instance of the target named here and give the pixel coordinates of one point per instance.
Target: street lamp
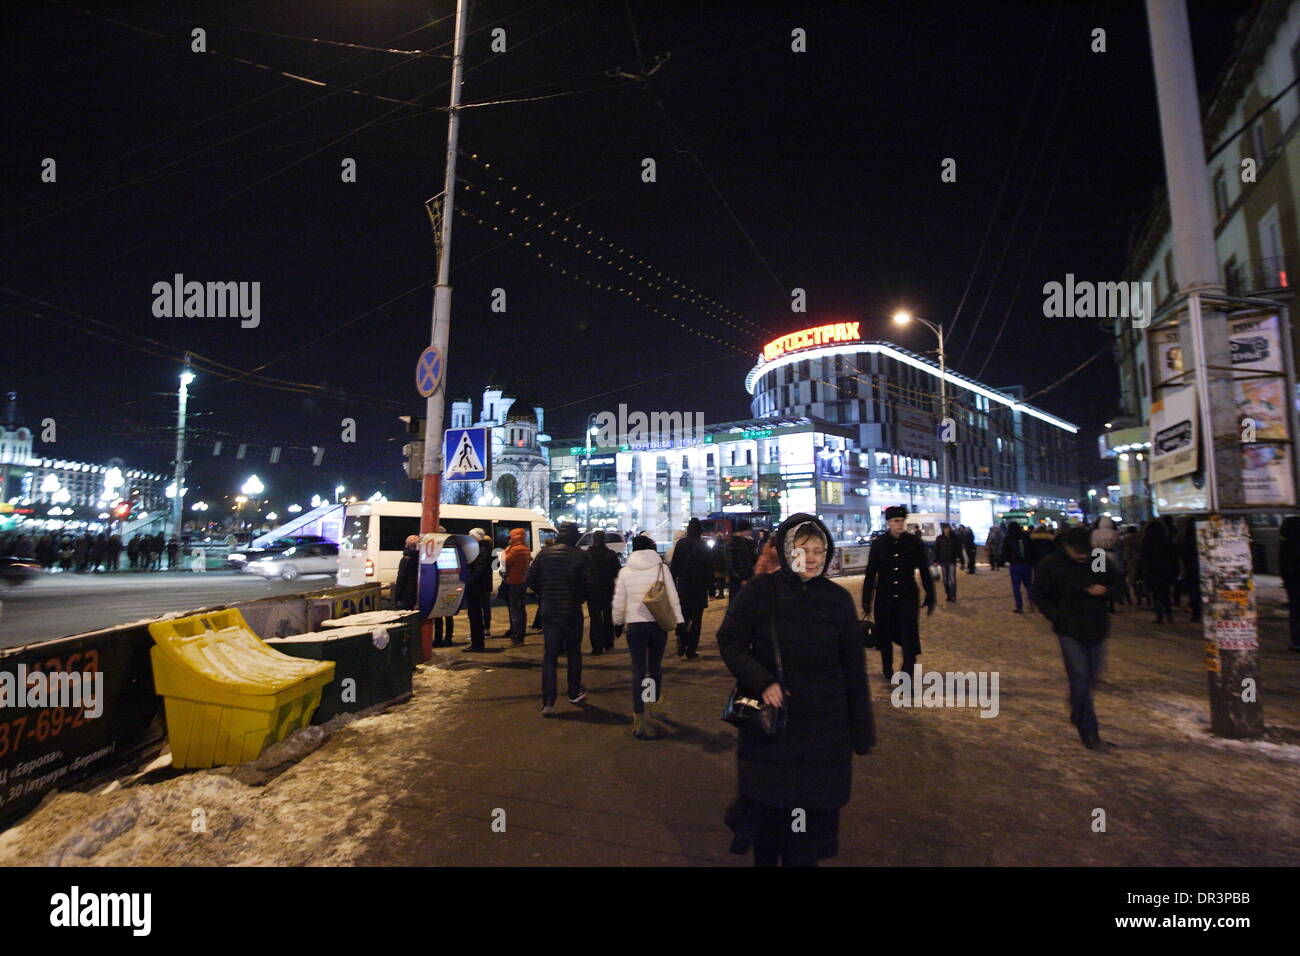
(182, 400)
(591, 430)
(338, 491)
(903, 318)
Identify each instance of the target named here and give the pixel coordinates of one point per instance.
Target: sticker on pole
(465, 452)
(428, 371)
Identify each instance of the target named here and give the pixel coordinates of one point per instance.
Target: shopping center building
(842, 427)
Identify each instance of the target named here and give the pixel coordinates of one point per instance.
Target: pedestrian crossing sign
(465, 450)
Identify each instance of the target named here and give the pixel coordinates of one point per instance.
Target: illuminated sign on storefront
(810, 338)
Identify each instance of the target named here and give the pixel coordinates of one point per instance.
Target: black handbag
(869, 639)
(749, 713)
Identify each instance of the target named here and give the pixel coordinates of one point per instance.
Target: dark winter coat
(1016, 548)
(479, 582)
(890, 592)
(947, 549)
(720, 562)
(1158, 557)
(828, 706)
(692, 569)
(406, 589)
(1288, 550)
(1042, 544)
(1060, 590)
(564, 577)
(742, 553)
(607, 567)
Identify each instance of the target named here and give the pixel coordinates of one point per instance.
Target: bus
(375, 532)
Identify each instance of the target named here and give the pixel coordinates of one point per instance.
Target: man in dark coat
(893, 562)
(741, 555)
(969, 547)
(478, 589)
(692, 570)
(563, 577)
(406, 589)
(806, 772)
(601, 600)
(1073, 590)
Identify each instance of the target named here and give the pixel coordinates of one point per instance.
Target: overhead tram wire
(1006, 176)
(295, 79)
(238, 106)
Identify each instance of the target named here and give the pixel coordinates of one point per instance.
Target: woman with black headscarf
(793, 784)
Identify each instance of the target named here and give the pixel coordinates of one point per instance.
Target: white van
(374, 534)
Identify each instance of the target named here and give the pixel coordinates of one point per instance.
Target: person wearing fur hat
(478, 590)
(806, 772)
(890, 594)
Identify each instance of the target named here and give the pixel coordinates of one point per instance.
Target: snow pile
(316, 798)
(1194, 722)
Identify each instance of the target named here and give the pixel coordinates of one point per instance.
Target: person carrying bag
(645, 599)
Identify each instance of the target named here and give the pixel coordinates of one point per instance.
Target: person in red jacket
(515, 559)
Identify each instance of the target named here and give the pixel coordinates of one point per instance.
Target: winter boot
(643, 729)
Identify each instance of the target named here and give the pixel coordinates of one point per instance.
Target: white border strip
(761, 369)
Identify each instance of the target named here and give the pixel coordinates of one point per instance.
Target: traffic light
(413, 455)
(414, 426)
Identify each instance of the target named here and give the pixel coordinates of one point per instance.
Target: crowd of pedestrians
(88, 552)
(795, 642)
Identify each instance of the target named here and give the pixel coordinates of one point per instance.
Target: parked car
(616, 541)
(317, 557)
(237, 559)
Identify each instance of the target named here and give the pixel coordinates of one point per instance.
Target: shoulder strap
(776, 644)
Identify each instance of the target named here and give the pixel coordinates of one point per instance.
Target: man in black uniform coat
(892, 566)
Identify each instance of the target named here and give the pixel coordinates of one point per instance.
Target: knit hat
(693, 528)
(478, 534)
(896, 511)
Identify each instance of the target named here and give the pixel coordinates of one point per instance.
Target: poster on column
(1227, 585)
(1266, 475)
(1255, 343)
(1173, 435)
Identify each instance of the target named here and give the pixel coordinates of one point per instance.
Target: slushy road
(56, 605)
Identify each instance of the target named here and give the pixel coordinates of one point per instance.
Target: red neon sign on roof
(811, 338)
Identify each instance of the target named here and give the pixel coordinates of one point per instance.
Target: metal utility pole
(1233, 670)
(436, 403)
(943, 414)
(182, 399)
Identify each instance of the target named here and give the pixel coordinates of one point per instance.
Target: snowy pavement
(468, 773)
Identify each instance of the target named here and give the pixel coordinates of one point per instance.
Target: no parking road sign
(465, 450)
(428, 371)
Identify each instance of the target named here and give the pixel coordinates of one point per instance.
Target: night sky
(775, 170)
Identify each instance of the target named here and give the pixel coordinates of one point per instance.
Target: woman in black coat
(804, 775)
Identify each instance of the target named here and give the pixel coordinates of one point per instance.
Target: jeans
(949, 569)
(1021, 575)
(516, 595)
(601, 632)
(567, 638)
(1083, 667)
(646, 641)
(688, 632)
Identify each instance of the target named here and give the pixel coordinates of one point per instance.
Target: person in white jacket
(646, 640)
